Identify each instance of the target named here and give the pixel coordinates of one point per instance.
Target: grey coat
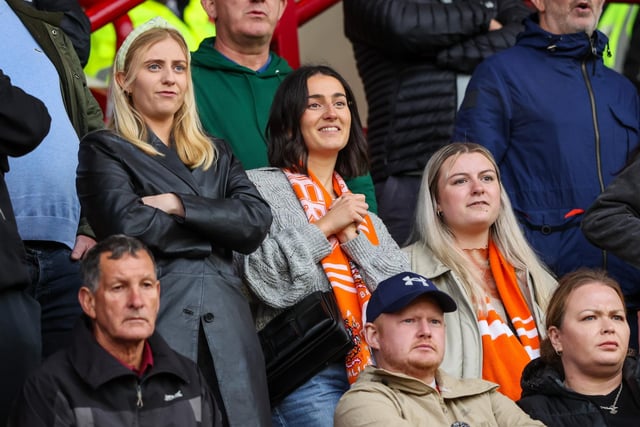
(287, 265)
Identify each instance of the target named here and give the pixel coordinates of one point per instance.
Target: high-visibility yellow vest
(194, 29)
(617, 23)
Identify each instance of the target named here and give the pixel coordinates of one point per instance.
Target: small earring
(558, 352)
(439, 213)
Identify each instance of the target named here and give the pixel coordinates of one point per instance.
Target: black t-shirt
(626, 411)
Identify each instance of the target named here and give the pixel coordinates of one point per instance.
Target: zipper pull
(139, 403)
(594, 51)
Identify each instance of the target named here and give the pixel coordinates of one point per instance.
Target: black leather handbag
(301, 341)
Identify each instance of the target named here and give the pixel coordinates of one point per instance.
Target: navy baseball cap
(397, 292)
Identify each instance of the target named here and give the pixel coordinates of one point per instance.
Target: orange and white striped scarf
(347, 284)
(505, 354)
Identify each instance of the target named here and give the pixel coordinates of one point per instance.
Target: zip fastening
(596, 129)
(139, 403)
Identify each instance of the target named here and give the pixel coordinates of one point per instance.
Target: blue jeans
(314, 402)
(55, 281)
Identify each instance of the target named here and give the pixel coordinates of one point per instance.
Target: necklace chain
(613, 409)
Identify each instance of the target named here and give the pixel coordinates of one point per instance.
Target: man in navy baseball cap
(396, 292)
(405, 329)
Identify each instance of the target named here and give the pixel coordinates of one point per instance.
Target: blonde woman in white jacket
(470, 245)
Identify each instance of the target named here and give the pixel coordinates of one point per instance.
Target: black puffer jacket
(409, 53)
(545, 398)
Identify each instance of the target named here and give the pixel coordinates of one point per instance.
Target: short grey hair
(117, 245)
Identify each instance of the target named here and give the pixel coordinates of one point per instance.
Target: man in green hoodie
(235, 77)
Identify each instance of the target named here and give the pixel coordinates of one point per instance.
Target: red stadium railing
(285, 41)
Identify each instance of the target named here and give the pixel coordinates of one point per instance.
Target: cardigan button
(208, 317)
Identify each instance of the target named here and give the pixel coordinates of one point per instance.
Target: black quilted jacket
(409, 53)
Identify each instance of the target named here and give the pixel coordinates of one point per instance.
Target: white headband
(156, 22)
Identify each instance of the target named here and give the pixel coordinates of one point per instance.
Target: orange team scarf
(347, 284)
(505, 354)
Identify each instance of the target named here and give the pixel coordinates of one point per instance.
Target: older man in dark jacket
(118, 371)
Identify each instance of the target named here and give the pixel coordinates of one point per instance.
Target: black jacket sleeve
(409, 27)
(24, 120)
(467, 54)
(238, 221)
(226, 214)
(613, 221)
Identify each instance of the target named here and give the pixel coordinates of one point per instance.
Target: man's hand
(494, 25)
(83, 244)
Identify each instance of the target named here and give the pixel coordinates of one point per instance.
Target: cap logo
(408, 281)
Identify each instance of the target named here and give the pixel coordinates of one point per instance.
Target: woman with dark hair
(583, 376)
(322, 237)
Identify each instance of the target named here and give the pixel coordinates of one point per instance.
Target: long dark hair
(286, 148)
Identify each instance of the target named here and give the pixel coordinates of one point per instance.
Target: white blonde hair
(432, 231)
(193, 146)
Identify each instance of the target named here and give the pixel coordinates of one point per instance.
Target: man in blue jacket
(561, 125)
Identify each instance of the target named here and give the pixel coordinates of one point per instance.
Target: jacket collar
(576, 45)
(539, 377)
(172, 162)
(450, 387)
(96, 366)
(430, 266)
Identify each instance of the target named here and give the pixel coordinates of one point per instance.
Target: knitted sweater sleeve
(285, 267)
(376, 262)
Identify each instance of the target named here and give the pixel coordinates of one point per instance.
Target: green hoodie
(234, 102)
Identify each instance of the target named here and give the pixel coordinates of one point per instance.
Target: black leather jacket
(223, 213)
(409, 53)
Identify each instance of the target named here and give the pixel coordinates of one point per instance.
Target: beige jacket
(463, 353)
(385, 399)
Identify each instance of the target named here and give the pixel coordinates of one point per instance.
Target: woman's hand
(344, 215)
(167, 202)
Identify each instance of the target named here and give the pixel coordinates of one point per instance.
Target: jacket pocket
(625, 130)
(550, 220)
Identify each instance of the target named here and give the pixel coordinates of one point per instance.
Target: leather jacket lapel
(172, 163)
